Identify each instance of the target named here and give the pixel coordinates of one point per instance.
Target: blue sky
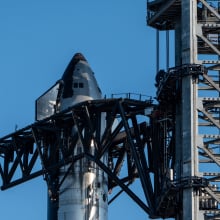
(37, 41)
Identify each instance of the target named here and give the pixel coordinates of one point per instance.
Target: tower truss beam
(45, 146)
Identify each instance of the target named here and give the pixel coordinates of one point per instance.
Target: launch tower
(173, 147)
(188, 119)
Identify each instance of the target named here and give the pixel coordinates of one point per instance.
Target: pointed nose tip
(79, 56)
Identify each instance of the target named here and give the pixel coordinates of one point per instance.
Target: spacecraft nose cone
(77, 57)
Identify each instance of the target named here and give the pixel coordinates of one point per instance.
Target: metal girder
(161, 13)
(168, 187)
(52, 142)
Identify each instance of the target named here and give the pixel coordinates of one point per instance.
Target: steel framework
(172, 147)
(126, 139)
(189, 109)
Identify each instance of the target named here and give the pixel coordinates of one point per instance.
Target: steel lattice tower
(194, 105)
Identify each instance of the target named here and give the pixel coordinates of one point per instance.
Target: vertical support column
(189, 161)
(189, 40)
(52, 209)
(187, 121)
